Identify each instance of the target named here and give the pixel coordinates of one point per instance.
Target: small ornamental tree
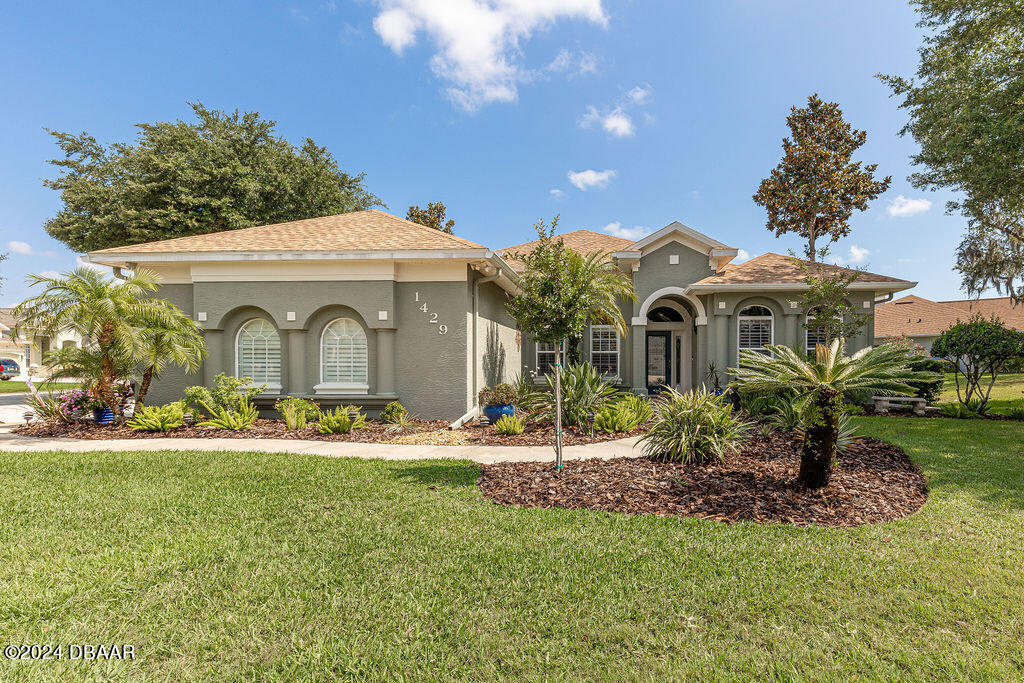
(827, 299)
(434, 216)
(980, 350)
(561, 292)
(816, 187)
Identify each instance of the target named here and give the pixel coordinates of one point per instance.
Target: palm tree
(180, 345)
(823, 382)
(113, 316)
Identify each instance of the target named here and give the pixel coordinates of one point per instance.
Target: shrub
(297, 412)
(690, 427)
(158, 418)
(584, 390)
(510, 425)
(785, 414)
(529, 397)
(929, 390)
(959, 411)
(980, 350)
(624, 414)
(401, 422)
(48, 408)
(234, 420)
(498, 395)
(393, 413)
(340, 420)
(227, 393)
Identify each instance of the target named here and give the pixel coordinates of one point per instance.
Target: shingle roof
(582, 241)
(7, 318)
(369, 230)
(774, 268)
(917, 316)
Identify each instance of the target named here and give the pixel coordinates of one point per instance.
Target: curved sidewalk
(10, 443)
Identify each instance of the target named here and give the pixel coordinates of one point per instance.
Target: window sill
(273, 388)
(345, 388)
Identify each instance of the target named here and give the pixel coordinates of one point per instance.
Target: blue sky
(660, 111)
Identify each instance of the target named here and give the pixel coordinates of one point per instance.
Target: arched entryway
(669, 346)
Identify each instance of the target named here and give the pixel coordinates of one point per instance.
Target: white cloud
(479, 42)
(616, 123)
(616, 120)
(591, 178)
(854, 256)
(572, 64)
(634, 233)
(741, 256)
(901, 207)
(26, 249)
(556, 193)
(81, 263)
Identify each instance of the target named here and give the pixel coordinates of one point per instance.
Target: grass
(255, 566)
(1006, 392)
(13, 387)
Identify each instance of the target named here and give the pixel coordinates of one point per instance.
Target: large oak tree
(817, 186)
(222, 172)
(966, 106)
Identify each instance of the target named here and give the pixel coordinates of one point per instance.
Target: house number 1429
(431, 316)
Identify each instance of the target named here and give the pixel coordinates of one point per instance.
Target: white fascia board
(122, 258)
(509, 280)
(798, 286)
(627, 255)
(686, 230)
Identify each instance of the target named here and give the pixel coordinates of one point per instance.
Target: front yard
(284, 566)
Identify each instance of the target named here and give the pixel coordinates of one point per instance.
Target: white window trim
(272, 387)
(739, 320)
(536, 357)
(618, 348)
(325, 387)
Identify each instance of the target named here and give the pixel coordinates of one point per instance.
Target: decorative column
(297, 383)
(216, 356)
(700, 355)
(638, 343)
(386, 360)
(721, 342)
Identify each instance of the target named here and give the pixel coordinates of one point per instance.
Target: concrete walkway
(331, 449)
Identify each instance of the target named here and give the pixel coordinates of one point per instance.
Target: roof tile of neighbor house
(916, 316)
(582, 241)
(774, 268)
(7, 317)
(369, 230)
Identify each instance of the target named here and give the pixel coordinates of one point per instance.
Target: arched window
(258, 352)
(343, 354)
(756, 328)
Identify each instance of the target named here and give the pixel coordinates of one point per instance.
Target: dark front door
(659, 361)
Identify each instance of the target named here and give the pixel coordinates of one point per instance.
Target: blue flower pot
(103, 416)
(494, 413)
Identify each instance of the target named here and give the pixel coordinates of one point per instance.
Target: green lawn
(248, 566)
(1007, 389)
(12, 387)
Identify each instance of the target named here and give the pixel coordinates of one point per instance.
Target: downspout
(884, 299)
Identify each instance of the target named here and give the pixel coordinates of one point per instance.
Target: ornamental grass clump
(297, 412)
(624, 414)
(692, 427)
(233, 420)
(584, 390)
(341, 420)
(510, 425)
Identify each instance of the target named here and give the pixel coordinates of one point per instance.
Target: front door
(659, 361)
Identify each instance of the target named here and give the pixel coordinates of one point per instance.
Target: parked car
(8, 369)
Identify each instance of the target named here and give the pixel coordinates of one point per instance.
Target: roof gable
(677, 229)
(581, 241)
(775, 269)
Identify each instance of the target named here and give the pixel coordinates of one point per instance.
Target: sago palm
(823, 381)
(110, 315)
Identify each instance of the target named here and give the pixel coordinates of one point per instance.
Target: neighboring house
(923, 320)
(366, 308)
(28, 349)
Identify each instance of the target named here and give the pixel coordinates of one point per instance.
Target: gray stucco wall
(499, 352)
(429, 369)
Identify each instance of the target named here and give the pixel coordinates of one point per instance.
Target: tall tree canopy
(966, 107)
(223, 172)
(434, 216)
(816, 187)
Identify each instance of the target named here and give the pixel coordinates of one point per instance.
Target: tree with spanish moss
(817, 186)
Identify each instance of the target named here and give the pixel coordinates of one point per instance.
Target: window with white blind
(343, 356)
(258, 352)
(604, 349)
(545, 357)
(756, 328)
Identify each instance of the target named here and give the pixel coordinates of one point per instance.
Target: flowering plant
(79, 401)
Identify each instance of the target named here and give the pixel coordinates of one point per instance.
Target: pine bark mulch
(876, 484)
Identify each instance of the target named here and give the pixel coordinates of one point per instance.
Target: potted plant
(497, 401)
(714, 376)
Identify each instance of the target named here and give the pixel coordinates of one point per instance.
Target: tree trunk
(818, 454)
(105, 386)
(147, 378)
(558, 405)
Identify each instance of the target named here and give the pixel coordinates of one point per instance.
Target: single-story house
(29, 349)
(923, 320)
(366, 308)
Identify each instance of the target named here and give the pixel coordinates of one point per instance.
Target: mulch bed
(374, 432)
(876, 484)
